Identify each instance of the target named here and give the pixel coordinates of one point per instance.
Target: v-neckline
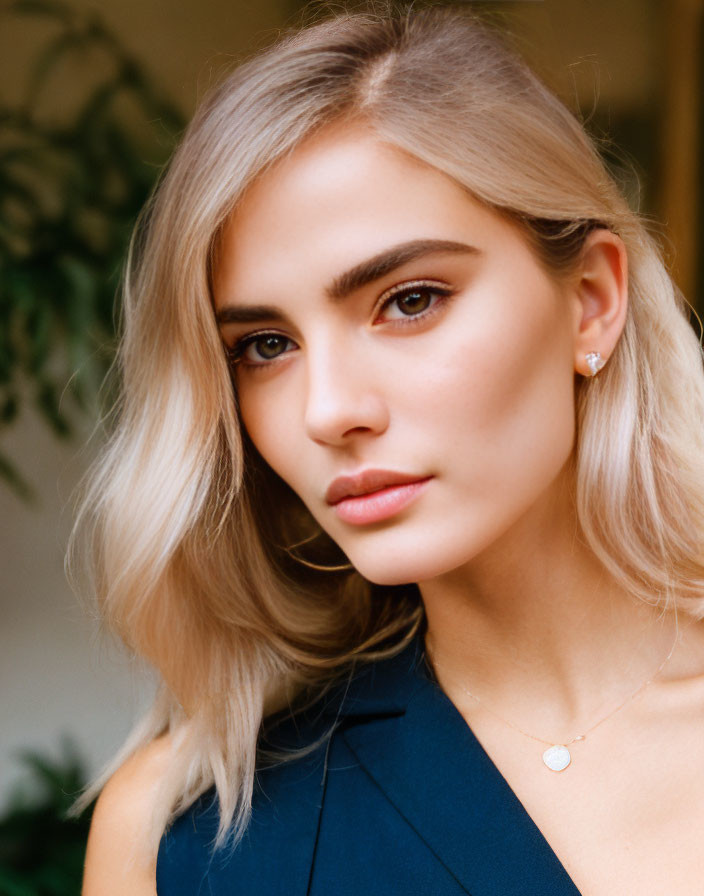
(484, 834)
(424, 669)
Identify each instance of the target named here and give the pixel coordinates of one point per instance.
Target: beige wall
(184, 45)
(611, 50)
(54, 675)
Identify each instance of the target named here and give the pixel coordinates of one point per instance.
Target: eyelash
(236, 352)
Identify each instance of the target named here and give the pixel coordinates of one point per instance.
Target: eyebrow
(350, 281)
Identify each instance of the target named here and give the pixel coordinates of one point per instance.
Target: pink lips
(373, 495)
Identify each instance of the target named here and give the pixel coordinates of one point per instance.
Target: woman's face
(382, 320)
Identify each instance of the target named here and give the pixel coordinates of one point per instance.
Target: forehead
(339, 197)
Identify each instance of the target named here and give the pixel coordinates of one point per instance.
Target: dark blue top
(400, 799)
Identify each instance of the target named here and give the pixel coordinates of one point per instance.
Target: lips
(365, 482)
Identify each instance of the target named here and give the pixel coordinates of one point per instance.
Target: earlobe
(601, 293)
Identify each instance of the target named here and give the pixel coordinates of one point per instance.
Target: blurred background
(93, 97)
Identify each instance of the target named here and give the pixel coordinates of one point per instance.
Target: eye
(259, 349)
(413, 301)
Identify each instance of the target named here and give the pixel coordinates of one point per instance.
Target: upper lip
(366, 481)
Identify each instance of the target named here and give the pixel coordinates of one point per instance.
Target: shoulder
(118, 861)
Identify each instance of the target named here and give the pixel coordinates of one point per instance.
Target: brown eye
(269, 346)
(258, 349)
(414, 302)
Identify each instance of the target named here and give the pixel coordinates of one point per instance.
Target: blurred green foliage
(72, 183)
(42, 850)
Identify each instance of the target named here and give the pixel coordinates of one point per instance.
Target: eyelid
(409, 284)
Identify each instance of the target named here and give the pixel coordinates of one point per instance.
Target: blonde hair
(186, 564)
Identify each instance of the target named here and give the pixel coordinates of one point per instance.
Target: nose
(343, 398)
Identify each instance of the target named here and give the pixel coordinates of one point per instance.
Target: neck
(539, 631)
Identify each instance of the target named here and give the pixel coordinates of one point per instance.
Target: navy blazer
(401, 799)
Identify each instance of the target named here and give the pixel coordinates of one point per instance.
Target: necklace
(557, 757)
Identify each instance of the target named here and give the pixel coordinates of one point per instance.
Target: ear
(600, 295)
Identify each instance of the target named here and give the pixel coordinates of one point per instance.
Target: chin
(414, 556)
(399, 569)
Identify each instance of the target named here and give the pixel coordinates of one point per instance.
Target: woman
(405, 496)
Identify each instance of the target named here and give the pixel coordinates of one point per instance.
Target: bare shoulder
(117, 860)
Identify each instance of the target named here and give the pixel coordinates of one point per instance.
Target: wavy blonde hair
(175, 526)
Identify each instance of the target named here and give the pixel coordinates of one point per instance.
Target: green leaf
(47, 403)
(9, 406)
(41, 850)
(69, 195)
(13, 478)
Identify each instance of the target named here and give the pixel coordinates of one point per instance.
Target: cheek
(269, 416)
(505, 399)
(494, 419)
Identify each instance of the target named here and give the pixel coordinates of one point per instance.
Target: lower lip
(377, 506)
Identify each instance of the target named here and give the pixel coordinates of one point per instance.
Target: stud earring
(595, 362)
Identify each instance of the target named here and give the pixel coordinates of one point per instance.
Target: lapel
(416, 746)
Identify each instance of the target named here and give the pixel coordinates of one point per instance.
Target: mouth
(366, 481)
(373, 495)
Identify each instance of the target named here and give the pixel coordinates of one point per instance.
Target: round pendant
(557, 758)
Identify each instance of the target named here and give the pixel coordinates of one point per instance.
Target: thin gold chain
(589, 730)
